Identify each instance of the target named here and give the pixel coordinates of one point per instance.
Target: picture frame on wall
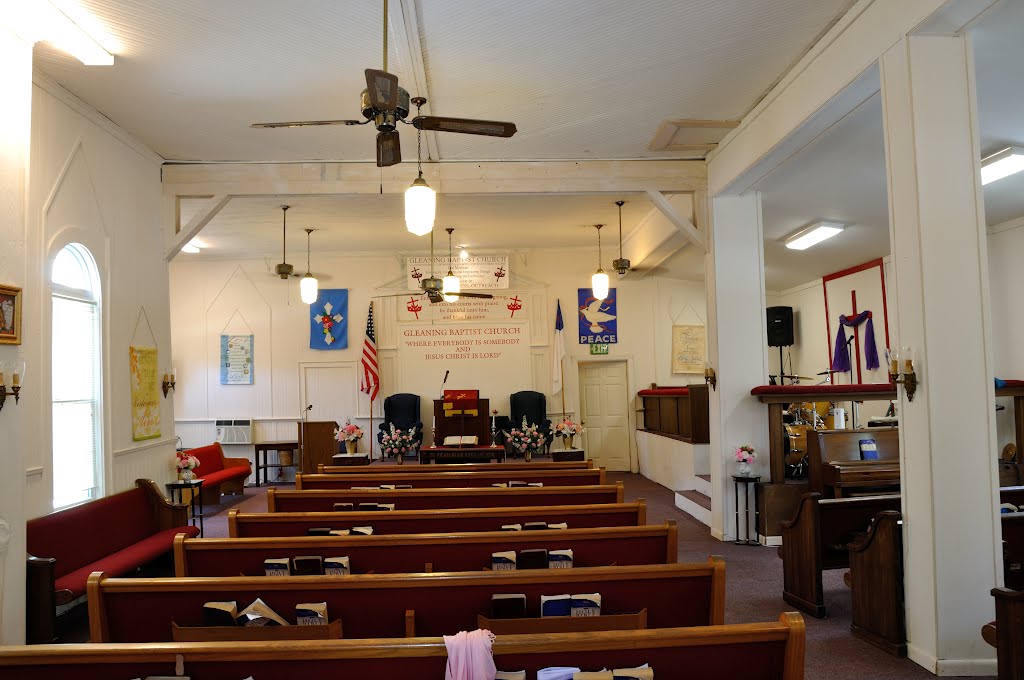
(10, 315)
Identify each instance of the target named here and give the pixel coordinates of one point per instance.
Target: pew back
(841, 519)
(322, 500)
(374, 605)
(457, 467)
(457, 520)
(409, 553)
(754, 651)
(843, 446)
(452, 480)
(1013, 549)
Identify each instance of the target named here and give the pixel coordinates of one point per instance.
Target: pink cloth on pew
(469, 656)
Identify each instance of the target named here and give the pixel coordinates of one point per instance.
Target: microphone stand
(433, 418)
(302, 438)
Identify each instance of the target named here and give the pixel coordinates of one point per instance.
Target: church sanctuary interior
(576, 340)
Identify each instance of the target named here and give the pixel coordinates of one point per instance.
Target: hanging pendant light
(620, 265)
(308, 286)
(599, 283)
(420, 199)
(451, 286)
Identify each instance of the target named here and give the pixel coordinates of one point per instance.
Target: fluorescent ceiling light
(1002, 164)
(41, 20)
(813, 235)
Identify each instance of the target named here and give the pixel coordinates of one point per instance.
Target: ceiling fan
(385, 104)
(434, 288)
(283, 270)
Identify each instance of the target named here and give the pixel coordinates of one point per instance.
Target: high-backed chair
(532, 406)
(403, 410)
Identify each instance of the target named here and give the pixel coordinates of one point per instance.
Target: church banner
(477, 272)
(598, 318)
(328, 319)
(510, 306)
(145, 392)
(688, 349)
(236, 360)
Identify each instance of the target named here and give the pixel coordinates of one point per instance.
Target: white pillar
(734, 276)
(15, 129)
(947, 434)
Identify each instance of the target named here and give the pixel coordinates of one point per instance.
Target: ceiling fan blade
(388, 150)
(308, 123)
(396, 295)
(382, 88)
(485, 296)
(491, 128)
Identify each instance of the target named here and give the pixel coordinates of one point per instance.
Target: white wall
(90, 183)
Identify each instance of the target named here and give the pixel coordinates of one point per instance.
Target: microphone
(443, 382)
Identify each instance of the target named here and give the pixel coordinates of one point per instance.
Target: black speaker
(780, 326)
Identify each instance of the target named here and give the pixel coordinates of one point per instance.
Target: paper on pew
(559, 525)
(510, 675)
(593, 675)
(644, 672)
(557, 673)
(259, 613)
(511, 527)
(361, 531)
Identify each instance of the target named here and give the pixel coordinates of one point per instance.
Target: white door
(604, 407)
(331, 389)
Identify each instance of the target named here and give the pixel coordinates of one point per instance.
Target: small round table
(746, 481)
(176, 491)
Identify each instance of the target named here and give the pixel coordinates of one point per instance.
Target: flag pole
(561, 375)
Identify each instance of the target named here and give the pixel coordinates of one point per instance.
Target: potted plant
(745, 455)
(567, 430)
(527, 439)
(398, 442)
(350, 434)
(185, 465)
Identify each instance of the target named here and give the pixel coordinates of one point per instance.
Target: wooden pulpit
(462, 424)
(317, 443)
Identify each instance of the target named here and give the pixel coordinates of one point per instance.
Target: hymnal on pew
(559, 525)
(276, 566)
(560, 559)
(220, 614)
(344, 507)
(510, 675)
(260, 614)
(340, 532)
(868, 449)
(361, 531)
(511, 527)
(337, 566)
(508, 606)
(503, 561)
(555, 605)
(311, 614)
(587, 604)
(308, 565)
(644, 672)
(534, 558)
(318, 531)
(535, 526)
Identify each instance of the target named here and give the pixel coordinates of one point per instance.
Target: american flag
(370, 382)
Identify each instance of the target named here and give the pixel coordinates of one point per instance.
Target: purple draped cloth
(841, 356)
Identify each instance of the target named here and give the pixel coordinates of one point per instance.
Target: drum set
(803, 417)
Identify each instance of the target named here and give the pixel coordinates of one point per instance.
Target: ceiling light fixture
(1002, 164)
(41, 20)
(620, 265)
(599, 283)
(191, 247)
(308, 286)
(420, 199)
(284, 270)
(813, 235)
(463, 253)
(451, 286)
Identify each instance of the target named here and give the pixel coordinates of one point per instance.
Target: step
(702, 483)
(695, 504)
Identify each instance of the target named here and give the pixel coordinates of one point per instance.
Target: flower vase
(528, 455)
(350, 445)
(186, 475)
(399, 458)
(567, 441)
(743, 469)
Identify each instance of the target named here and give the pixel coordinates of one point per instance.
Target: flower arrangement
(348, 432)
(397, 442)
(185, 465)
(567, 428)
(526, 439)
(746, 454)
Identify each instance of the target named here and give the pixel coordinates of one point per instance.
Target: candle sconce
(709, 377)
(901, 371)
(16, 374)
(168, 382)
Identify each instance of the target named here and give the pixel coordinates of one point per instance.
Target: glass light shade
(600, 285)
(420, 206)
(450, 285)
(308, 289)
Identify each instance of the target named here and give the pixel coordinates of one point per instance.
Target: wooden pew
(876, 584)
(753, 651)
(459, 520)
(398, 553)
(1013, 549)
(456, 467)
(376, 605)
(835, 467)
(816, 539)
(1006, 633)
(322, 500)
(452, 480)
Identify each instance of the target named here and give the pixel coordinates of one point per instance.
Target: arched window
(75, 328)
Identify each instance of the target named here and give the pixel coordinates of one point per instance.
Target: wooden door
(604, 407)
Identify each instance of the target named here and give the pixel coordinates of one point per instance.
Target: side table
(176, 491)
(260, 455)
(746, 482)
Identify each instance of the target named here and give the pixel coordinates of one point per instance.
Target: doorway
(604, 407)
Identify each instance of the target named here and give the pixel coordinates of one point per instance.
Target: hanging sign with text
(145, 392)
(510, 306)
(477, 272)
(598, 318)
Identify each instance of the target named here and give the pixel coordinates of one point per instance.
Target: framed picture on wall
(10, 315)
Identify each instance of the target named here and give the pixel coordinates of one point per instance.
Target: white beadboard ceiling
(580, 78)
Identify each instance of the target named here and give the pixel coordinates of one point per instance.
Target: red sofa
(117, 533)
(220, 474)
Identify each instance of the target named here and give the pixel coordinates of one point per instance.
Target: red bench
(115, 534)
(220, 474)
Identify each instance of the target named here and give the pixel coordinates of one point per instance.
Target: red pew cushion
(224, 475)
(211, 459)
(824, 390)
(665, 392)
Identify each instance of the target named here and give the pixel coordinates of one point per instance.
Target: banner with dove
(598, 318)
(329, 319)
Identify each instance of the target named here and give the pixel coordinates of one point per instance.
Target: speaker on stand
(780, 333)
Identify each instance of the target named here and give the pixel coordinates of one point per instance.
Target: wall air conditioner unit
(234, 431)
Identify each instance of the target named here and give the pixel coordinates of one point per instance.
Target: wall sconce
(709, 377)
(17, 369)
(168, 382)
(902, 364)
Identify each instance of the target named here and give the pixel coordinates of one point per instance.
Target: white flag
(556, 378)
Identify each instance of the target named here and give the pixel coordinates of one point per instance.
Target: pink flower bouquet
(348, 433)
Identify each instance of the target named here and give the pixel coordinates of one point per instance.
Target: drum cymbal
(830, 372)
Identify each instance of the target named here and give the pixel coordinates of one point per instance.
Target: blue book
(555, 605)
(868, 449)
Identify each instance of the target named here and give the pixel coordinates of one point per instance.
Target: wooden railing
(677, 412)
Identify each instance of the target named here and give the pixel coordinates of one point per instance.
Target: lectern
(478, 425)
(317, 443)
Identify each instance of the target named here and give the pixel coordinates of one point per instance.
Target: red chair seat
(125, 560)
